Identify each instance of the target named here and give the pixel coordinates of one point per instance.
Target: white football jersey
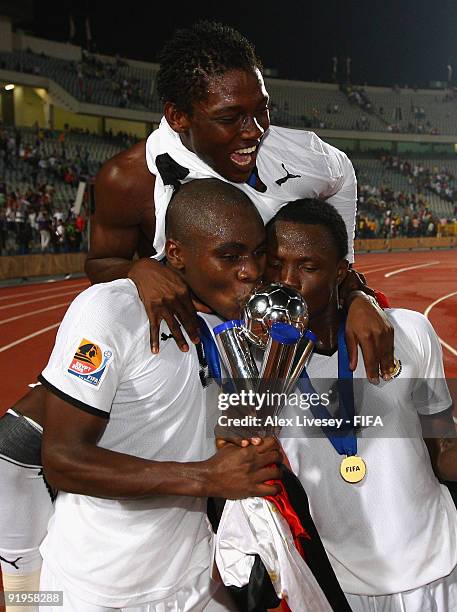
(396, 529)
(124, 552)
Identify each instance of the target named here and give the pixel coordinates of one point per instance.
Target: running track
(30, 314)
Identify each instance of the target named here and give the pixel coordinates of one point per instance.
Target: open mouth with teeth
(243, 157)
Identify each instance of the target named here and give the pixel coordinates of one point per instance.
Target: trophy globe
(273, 303)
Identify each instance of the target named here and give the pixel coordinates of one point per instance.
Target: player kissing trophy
(275, 321)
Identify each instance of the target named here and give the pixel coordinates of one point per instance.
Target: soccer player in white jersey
(128, 434)
(392, 536)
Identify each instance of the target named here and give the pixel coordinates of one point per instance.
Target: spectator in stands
(20, 215)
(23, 238)
(58, 215)
(80, 223)
(414, 229)
(436, 180)
(39, 158)
(10, 213)
(58, 236)
(32, 220)
(3, 231)
(44, 226)
(73, 236)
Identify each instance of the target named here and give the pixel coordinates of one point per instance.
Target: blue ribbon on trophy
(275, 321)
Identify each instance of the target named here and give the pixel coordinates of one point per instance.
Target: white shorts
(437, 596)
(203, 595)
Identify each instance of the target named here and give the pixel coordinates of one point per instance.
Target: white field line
(42, 299)
(450, 348)
(400, 270)
(368, 267)
(29, 293)
(34, 312)
(29, 337)
(380, 269)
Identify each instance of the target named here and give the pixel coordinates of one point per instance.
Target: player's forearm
(95, 471)
(353, 295)
(107, 269)
(447, 462)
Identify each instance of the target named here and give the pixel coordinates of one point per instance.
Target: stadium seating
(294, 104)
(417, 112)
(315, 107)
(98, 83)
(53, 162)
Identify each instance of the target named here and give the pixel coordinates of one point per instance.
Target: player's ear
(175, 254)
(342, 270)
(178, 120)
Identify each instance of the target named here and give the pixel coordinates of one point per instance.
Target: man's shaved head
(203, 207)
(216, 243)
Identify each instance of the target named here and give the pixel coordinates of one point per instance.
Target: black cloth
(259, 594)
(452, 486)
(20, 442)
(170, 171)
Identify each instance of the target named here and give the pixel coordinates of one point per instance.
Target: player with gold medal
(391, 534)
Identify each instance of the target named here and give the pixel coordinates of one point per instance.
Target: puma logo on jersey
(287, 177)
(164, 336)
(204, 373)
(13, 563)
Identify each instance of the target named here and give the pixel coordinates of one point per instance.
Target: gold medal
(353, 468)
(395, 370)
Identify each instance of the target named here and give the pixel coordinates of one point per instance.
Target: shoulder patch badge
(90, 362)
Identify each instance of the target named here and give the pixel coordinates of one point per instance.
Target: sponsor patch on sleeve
(90, 362)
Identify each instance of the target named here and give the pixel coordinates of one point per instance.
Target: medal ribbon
(344, 439)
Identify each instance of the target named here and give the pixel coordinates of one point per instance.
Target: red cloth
(80, 223)
(282, 503)
(381, 298)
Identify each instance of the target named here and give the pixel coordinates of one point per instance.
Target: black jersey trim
(71, 400)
